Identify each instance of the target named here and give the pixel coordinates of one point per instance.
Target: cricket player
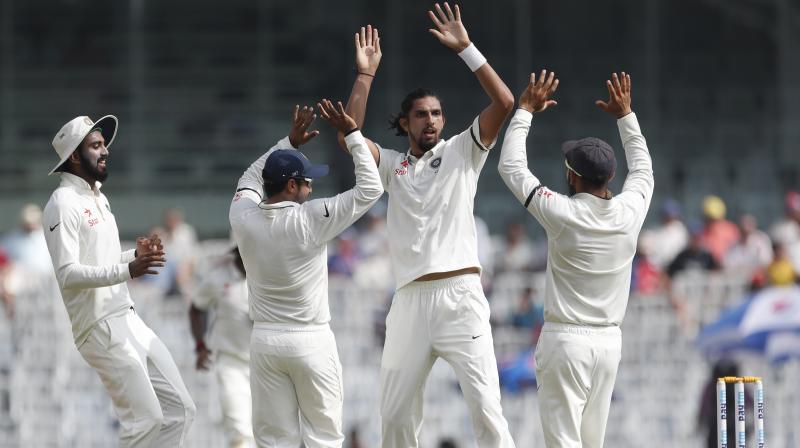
(224, 293)
(152, 404)
(296, 376)
(591, 242)
(439, 309)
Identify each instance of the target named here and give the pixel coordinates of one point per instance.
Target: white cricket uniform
(294, 361)
(591, 244)
(432, 229)
(150, 399)
(224, 290)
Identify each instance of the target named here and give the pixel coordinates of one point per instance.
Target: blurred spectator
(707, 417)
(694, 257)
(516, 253)
(753, 252)
(781, 271)
(670, 238)
(346, 256)
(787, 231)
(373, 238)
(25, 246)
(719, 234)
(180, 244)
(645, 275)
(527, 314)
(6, 294)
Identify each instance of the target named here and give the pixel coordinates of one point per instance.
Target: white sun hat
(72, 134)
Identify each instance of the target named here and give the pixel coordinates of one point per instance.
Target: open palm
(368, 50)
(449, 29)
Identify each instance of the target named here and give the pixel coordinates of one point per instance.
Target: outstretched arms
(450, 31)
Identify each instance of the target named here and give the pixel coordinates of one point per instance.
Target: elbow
(507, 101)
(508, 104)
(370, 193)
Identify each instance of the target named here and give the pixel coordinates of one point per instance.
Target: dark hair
(273, 188)
(405, 108)
(595, 182)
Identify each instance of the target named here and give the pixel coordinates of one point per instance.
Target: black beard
(92, 170)
(426, 146)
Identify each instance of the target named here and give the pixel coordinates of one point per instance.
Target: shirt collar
(73, 181)
(277, 205)
(435, 150)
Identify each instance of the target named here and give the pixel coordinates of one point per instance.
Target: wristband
(201, 346)
(351, 131)
(366, 74)
(472, 57)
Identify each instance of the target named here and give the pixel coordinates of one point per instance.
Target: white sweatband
(473, 57)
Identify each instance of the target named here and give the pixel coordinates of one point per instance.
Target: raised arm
(640, 182)
(368, 58)
(451, 33)
(251, 184)
(328, 217)
(546, 206)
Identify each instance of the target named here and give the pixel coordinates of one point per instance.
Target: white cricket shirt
(284, 245)
(83, 240)
(224, 290)
(591, 241)
(431, 200)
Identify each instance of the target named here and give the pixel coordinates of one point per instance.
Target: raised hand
(449, 29)
(336, 116)
(144, 263)
(536, 97)
(368, 51)
(301, 120)
(619, 96)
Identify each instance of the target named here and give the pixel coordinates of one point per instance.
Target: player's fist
(537, 95)
(336, 116)
(619, 96)
(144, 264)
(301, 120)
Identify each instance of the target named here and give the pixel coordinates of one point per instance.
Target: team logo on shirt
(402, 171)
(87, 212)
(436, 163)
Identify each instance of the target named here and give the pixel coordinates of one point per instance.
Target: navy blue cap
(590, 158)
(284, 164)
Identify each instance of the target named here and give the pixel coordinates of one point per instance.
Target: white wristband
(473, 57)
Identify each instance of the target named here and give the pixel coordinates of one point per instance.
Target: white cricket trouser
(152, 403)
(233, 377)
(576, 367)
(446, 318)
(296, 380)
